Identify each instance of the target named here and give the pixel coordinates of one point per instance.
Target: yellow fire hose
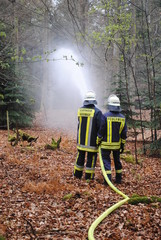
(109, 210)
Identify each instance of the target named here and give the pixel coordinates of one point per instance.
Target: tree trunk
(45, 67)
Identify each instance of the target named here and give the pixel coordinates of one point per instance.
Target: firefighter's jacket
(89, 120)
(113, 130)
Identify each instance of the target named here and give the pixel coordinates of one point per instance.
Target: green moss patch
(136, 199)
(128, 158)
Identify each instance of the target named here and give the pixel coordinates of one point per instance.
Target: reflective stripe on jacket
(89, 119)
(113, 130)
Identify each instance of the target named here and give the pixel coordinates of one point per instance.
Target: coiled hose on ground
(109, 210)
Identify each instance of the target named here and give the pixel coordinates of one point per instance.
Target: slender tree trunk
(153, 84)
(140, 106)
(148, 73)
(45, 68)
(129, 105)
(115, 53)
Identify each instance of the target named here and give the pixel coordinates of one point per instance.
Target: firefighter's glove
(122, 148)
(98, 141)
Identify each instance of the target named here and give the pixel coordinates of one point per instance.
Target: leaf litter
(40, 199)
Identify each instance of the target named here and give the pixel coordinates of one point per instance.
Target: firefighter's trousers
(90, 164)
(107, 163)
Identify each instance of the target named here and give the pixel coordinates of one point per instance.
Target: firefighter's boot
(78, 174)
(109, 177)
(118, 178)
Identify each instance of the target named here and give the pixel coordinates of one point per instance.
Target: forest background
(116, 43)
(110, 46)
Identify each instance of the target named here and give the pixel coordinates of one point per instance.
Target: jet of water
(69, 71)
(67, 89)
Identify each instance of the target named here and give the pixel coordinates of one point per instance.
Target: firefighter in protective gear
(112, 136)
(89, 119)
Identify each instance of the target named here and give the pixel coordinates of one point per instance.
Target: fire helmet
(90, 98)
(113, 103)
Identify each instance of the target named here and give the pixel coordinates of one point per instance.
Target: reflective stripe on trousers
(90, 165)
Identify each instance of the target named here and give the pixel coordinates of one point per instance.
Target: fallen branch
(136, 199)
(31, 230)
(21, 136)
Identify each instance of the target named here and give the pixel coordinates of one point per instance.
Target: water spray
(71, 71)
(67, 85)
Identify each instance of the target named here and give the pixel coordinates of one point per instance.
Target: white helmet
(90, 98)
(114, 103)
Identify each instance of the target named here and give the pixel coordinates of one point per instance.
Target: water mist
(66, 90)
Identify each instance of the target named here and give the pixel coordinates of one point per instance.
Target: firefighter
(112, 137)
(89, 119)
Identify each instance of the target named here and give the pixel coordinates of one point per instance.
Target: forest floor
(40, 199)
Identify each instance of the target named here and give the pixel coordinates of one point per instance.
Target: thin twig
(31, 227)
